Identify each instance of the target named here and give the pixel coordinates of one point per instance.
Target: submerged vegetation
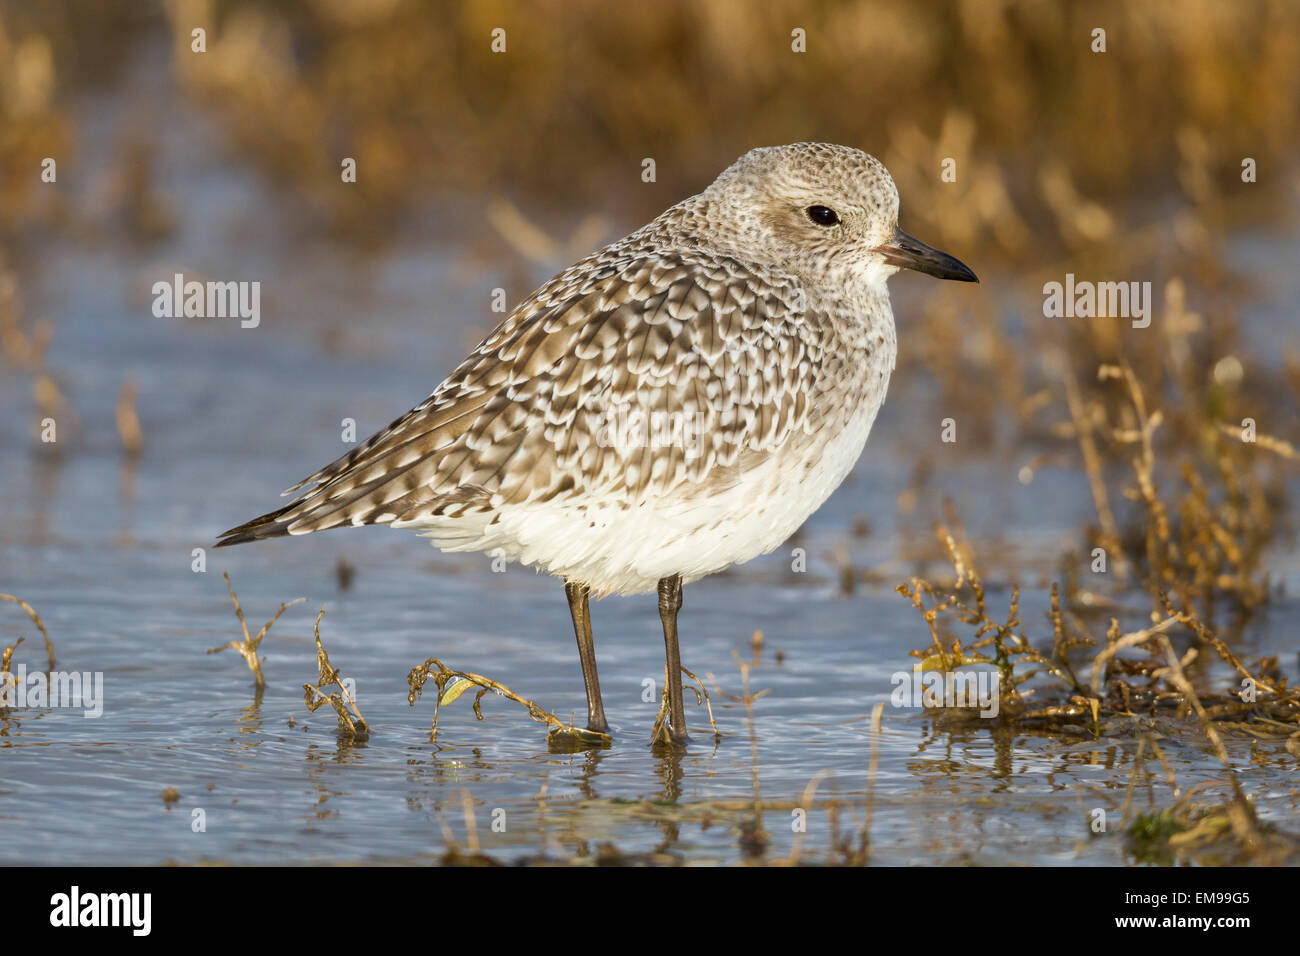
(452, 684)
(1197, 554)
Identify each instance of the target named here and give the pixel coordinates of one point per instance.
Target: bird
(678, 402)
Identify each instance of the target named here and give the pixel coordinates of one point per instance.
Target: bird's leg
(670, 602)
(581, 611)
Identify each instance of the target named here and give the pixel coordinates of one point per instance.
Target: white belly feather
(626, 550)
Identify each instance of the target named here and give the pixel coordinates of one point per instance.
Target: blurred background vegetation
(1044, 130)
(1124, 164)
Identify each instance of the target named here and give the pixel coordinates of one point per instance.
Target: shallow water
(102, 548)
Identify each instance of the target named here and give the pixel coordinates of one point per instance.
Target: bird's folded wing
(627, 376)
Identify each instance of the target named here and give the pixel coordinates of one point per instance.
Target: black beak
(908, 253)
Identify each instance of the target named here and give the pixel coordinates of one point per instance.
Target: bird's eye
(823, 215)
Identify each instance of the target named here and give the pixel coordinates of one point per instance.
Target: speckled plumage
(765, 335)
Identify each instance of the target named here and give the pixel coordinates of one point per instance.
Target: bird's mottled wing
(553, 402)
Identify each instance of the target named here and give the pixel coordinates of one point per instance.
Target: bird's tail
(273, 524)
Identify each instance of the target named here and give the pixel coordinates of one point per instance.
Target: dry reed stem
(1092, 466)
(128, 421)
(1276, 445)
(247, 648)
(806, 801)
(40, 625)
(351, 723)
(754, 839)
(659, 732)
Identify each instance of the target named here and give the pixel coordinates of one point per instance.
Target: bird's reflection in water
(668, 768)
(587, 772)
(561, 821)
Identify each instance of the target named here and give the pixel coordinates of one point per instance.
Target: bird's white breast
(626, 548)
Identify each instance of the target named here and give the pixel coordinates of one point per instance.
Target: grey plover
(678, 402)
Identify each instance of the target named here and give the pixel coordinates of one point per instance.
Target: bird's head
(824, 212)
